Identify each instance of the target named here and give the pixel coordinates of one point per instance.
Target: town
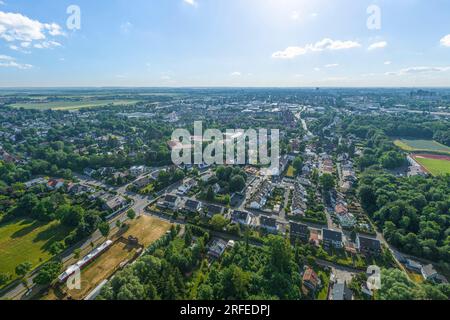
(363, 181)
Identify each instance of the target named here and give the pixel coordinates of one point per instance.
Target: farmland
(72, 105)
(434, 164)
(422, 146)
(27, 241)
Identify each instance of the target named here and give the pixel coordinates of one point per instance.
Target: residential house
(299, 232)
(430, 273)
(55, 184)
(114, 203)
(269, 224)
(331, 239)
(212, 209)
(217, 248)
(79, 188)
(136, 171)
(35, 182)
(169, 201)
(187, 186)
(311, 280)
(259, 198)
(241, 217)
(142, 182)
(413, 266)
(192, 206)
(368, 246)
(299, 199)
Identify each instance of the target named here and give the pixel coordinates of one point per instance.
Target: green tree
(237, 183)
(104, 229)
(218, 222)
(23, 268)
(131, 214)
(327, 182)
(298, 165)
(48, 273)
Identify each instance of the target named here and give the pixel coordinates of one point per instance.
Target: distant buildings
(268, 224)
(332, 239)
(192, 206)
(170, 202)
(299, 232)
(217, 248)
(260, 195)
(368, 246)
(311, 280)
(241, 217)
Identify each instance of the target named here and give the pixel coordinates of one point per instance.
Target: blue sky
(225, 43)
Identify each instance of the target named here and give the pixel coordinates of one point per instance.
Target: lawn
(290, 172)
(27, 241)
(421, 146)
(72, 105)
(436, 167)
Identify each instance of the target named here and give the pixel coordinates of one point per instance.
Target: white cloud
(418, 70)
(295, 15)
(47, 45)
(10, 62)
(388, 63)
(236, 74)
(323, 45)
(15, 27)
(445, 41)
(331, 65)
(378, 45)
(191, 2)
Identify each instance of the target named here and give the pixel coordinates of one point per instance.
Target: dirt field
(146, 229)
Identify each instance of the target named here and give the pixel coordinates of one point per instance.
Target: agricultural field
(436, 165)
(72, 105)
(27, 241)
(422, 146)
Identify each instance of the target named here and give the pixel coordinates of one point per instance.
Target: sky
(226, 43)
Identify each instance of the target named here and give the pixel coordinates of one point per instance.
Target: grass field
(435, 166)
(290, 172)
(421, 146)
(27, 241)
(72, 105)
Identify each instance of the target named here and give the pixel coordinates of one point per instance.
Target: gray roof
(332, 235)
(369, 243)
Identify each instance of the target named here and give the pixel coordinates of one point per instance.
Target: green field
(435, 166)
(422, 146)
(27, 241)
(72, 105)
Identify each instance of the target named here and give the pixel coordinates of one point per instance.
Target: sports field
(27, 241)
(422, 146)
(72, 105)
(434, 164)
